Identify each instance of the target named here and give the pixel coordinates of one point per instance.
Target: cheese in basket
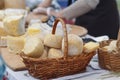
(56, 55)
(12, 22)
(109, 54)
(47, 54)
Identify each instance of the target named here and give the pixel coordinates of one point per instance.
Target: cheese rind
(33, 47)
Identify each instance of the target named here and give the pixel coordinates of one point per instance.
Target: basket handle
(65, 34)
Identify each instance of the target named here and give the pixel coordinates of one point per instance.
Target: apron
(103, 20)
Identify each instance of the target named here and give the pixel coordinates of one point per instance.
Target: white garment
(79, 7)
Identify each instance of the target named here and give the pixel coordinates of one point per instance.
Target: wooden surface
(78, 30)
(13, 61)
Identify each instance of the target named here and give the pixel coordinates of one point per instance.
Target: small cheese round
(33, 47)
(55, 53)
(53, 41)
(75, 45)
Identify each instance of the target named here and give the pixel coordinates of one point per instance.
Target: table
(93, 71)
(90, 73)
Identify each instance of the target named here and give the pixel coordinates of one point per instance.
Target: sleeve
(78, 8)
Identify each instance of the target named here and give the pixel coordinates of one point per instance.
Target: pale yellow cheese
(15, 44)
(14, 25)
(33, 47)
(75, 45)
(111, 47)
(90, 47)
(55, 53)
(33, 30)
(2, 30)
(53, 41)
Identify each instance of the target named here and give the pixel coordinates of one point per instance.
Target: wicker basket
(109, 61)
(53, 68)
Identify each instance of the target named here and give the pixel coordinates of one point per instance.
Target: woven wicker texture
(53, 68)
(109, 61)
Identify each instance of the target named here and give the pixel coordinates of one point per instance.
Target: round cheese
(75, 45)
(33, 47)
(55, 53)
(53, 41)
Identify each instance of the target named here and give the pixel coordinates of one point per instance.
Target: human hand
(40, 10)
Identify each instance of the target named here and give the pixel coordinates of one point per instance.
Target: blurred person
(100, 17)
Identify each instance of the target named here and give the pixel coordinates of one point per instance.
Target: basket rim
(85, 55)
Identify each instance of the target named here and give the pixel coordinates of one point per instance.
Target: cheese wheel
(75, 45)
(55, 53)
(15, 44)
(14, 25)
(53, 41)
(33, 47)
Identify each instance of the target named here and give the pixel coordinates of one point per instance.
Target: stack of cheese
(13, 21)
(13, 26)
(53, 46)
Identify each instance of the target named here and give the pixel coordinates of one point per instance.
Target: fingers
(40, 10)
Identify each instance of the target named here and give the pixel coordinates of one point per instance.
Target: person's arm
(45, 3)
(78, 8)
